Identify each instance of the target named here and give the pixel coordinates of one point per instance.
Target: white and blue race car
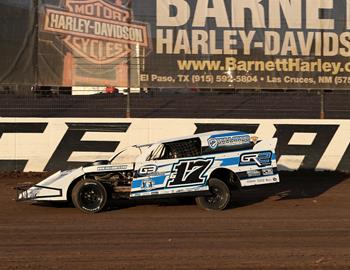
(207, 166)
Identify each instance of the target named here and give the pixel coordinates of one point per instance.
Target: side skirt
(172, 195)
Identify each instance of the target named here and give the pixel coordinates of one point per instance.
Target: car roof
(205, 136)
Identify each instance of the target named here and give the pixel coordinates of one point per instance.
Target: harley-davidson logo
(97, 30)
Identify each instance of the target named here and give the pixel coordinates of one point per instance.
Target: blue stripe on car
(229, 161)
(229, 134)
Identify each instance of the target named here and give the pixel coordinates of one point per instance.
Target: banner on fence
(301, 44)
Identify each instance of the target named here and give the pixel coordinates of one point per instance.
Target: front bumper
(31, 192)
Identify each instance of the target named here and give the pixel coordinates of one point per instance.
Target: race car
(206, 166)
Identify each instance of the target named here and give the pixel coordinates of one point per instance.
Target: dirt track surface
(304, 223)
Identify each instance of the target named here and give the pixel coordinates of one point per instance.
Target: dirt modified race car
(207, 166)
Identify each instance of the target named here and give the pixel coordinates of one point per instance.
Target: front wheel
(89, 196)
(220, 197)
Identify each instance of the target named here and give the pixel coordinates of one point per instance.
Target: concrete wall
(50, 144)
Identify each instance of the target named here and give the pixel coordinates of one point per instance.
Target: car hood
(54, 186)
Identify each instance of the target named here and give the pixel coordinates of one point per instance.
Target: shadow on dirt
(293, 185)
(180, 201)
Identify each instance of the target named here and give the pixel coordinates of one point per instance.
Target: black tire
(89, 196)
(220, 197)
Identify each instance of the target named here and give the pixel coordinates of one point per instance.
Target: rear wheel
(220, 197)
(89, 196)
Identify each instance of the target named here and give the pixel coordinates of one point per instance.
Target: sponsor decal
(147, 184)
(267, 172)
(169, 191)
(112, 168)
(213, 143)
(263, 180)
(228, 141)
(147, 170)
(254, 173)
(96, 30)
(260, 159)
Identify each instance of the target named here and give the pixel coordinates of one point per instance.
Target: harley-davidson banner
(263, 44)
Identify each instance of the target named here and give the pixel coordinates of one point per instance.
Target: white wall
(39, 148)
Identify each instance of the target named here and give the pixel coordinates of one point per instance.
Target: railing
(20, 101)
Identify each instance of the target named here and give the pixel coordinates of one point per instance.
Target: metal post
(128, 110)
(322, 111)
(36, 42)
(128, 113)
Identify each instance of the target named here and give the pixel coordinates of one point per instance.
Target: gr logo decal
(260, 159)
(189, 172)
